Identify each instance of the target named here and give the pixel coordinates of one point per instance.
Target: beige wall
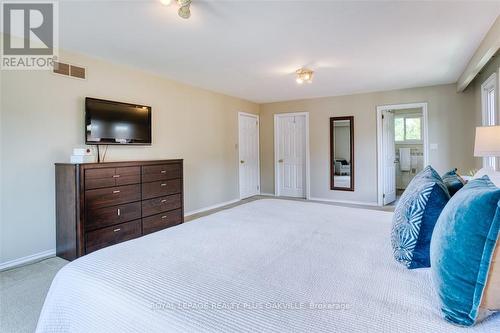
(42, 120)
(450, 119)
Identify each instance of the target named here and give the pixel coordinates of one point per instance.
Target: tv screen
(114, 123)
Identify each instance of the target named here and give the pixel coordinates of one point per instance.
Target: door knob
(242, 161)
(280, 161)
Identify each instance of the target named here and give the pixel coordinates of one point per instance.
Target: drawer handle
(164, 200)
(117, 229)
(119, 212)
(163, 171)
(164, 217)
(116, 192)
(116, 176)
(164, 184)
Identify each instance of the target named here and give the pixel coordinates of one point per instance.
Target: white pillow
(494, 175)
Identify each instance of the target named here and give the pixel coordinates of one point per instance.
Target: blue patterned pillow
(415, 216)
(453, 181)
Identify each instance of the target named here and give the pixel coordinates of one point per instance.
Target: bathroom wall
(403, 178)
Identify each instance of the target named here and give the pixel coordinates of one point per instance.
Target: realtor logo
(30, 35)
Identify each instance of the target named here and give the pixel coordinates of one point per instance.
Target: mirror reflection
(342, 156)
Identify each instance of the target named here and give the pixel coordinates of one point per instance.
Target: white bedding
(261, 257)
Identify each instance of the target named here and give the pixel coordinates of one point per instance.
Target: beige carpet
(23, 290)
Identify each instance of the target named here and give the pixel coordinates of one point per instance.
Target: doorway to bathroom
(402, 148)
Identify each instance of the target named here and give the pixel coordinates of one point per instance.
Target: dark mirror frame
(332, 153)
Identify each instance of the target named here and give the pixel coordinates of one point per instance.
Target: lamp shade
(487, 141)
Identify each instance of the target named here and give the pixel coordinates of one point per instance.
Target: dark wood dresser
(101, 204)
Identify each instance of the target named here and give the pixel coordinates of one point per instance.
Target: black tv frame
(94, 143)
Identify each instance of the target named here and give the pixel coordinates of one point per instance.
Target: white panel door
(249, 155)
(389, 157)
(291, 155)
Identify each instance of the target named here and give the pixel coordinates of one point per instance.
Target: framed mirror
(342, 153)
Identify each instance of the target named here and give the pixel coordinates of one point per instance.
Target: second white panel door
(249, 155)
(291, 168)
(389, 157)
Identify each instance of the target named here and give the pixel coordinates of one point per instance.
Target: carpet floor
(22, 292)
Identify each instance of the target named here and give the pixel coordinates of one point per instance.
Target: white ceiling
(251, 49)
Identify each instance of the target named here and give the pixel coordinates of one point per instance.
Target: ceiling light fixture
(184, 10)
(304, 75)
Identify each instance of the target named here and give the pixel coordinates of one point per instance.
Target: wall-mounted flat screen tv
(115, 123)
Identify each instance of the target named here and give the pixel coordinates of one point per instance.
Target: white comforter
(268, 266)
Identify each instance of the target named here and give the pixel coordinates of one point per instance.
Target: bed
(269, 266)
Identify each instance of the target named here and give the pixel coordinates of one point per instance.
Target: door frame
(380, 162)
(257, 118)
(276, 157)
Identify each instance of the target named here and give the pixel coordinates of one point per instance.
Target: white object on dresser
(82, 155)
(82, 152)
(80, 159)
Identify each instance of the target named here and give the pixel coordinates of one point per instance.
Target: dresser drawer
(112, 196)
(104, 217)
(151, 173)
(161, 221)
(98, 178)
(107, 177)
(100, 238)
(161, 188)
(128, 175)
(162, 204)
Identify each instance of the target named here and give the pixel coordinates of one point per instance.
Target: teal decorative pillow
(462, 249)
(453, 181)
(415, 216)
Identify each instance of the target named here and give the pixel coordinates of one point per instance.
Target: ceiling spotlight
(184, 7)
(184, 11)
(304, 75)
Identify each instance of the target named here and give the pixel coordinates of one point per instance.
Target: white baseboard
(201, 210)
(364, 203)
(27, 260)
